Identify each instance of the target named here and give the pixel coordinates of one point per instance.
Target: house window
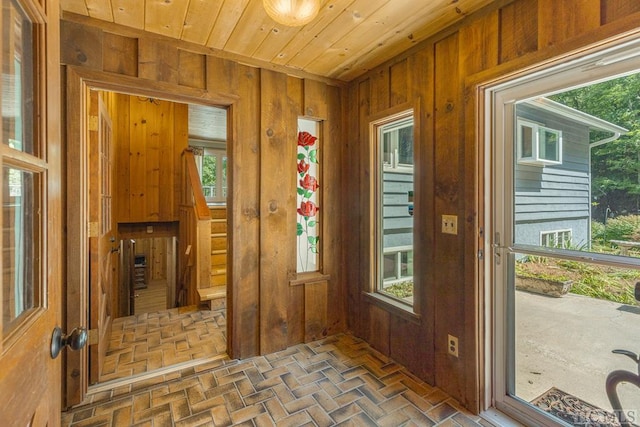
(213, 174)
(538, 145)
(397, 145)
(556, 239)
(397, 265)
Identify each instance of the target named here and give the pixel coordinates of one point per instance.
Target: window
(308, 196)
(393, 192)
(397, 144)
(213, 173)
(23, 173)
(556, 239)
(397, 265)
(538, 145)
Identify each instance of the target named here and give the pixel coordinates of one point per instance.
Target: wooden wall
(269, 307)
(149, 137)
(438, 78)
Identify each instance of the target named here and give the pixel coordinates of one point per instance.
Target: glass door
(566, 218)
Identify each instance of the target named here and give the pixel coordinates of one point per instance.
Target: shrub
(622, 228)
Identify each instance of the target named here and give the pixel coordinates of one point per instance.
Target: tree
(615, 166)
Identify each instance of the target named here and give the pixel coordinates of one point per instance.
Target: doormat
(573, 410)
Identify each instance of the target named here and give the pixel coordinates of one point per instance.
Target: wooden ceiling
(347, 38)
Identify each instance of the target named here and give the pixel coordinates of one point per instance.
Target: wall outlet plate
(452, 345)
(450, 224)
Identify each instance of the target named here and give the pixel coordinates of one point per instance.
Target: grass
(595, 281)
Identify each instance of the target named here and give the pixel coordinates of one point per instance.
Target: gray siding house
(553, 172)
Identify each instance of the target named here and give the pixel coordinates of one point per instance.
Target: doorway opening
(565, 227)
(140, 178)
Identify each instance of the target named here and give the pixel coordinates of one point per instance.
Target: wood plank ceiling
(347, 38)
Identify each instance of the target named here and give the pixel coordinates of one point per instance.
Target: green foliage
(622, 228)
(615, 166)
(209, 170)
(598, 232)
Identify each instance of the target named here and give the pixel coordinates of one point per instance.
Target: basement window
(556, 239)
(538, 145)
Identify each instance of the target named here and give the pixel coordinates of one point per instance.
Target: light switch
(450, 224)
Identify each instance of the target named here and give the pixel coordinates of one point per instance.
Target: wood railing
(195, 234)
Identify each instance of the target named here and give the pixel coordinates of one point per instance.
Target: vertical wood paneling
(120, 54)
(277, 210)
(81, 45)
(158, 60)
(245, 177)
(518, 29)
(449, 288)
(149, 139)
(479, 45)
(379, 94)
(379, 329)
(315, 99)
(398, 83)
(612, 10)
(180, 142)
(296, 315)
(335, 238)
(315, 310)
(137, 161)
(358, 170)
(192, 69)
(121, 122)
(155, 125)
(562, 20)
(351, 199)
(420, 79)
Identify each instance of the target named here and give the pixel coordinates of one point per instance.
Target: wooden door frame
(79, 81)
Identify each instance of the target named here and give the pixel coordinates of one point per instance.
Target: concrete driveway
(566, 343)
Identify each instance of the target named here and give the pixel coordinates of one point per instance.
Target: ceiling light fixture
(292, 13)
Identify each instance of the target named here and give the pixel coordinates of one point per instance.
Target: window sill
(392, 306)
(313, 277)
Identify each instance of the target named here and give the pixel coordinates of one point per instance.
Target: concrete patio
(567, 342)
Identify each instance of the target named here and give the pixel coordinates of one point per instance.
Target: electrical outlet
(450, 224)
(452, 345)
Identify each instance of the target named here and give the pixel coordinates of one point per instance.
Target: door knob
(75, 340)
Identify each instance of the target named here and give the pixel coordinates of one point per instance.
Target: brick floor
(339, 380)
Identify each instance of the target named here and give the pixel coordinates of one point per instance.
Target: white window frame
(602, 62)
(390, 157)
(557, 234)
(398, 251)
(538, 140)
(220, 190)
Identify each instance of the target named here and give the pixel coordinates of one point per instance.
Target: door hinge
(480, 254)
(93, 123)
(92, 229)
(93, 337)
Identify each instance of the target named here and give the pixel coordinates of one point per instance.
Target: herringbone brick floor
(339, 380)
(151, 341)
